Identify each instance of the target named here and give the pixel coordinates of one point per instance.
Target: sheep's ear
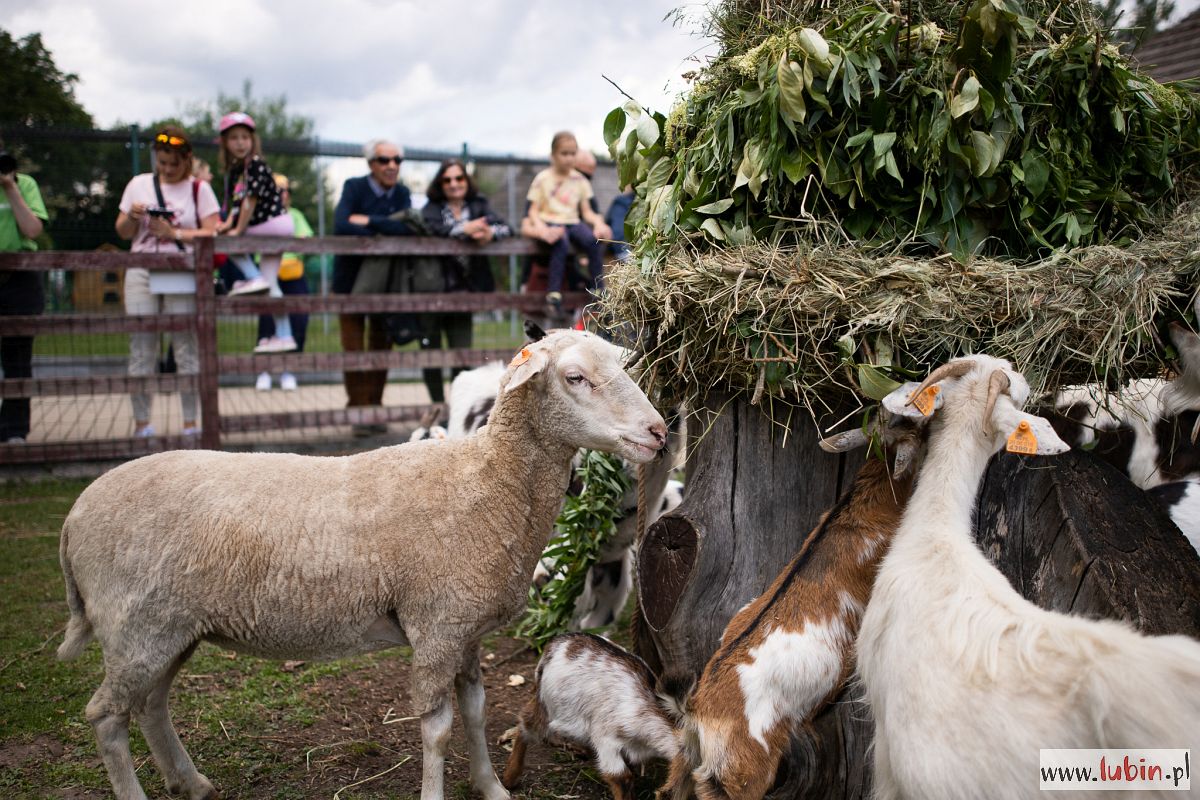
(844, 441)
(1030, 434)
(906, 451)
(930, 400)
(525, 365)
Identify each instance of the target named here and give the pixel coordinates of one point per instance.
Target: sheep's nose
(659, 431)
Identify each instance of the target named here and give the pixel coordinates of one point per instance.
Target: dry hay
(767, 320)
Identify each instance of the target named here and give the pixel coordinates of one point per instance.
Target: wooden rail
(212, 365)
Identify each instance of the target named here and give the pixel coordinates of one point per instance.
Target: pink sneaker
(276, 344)
(259, 285)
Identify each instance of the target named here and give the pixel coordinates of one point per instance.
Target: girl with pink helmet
(254, 206)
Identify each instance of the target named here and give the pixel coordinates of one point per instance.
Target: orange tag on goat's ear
(1023, 440)
(520, 358)
(925, 400)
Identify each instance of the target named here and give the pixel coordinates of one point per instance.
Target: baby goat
(593, 693)
(787, 653)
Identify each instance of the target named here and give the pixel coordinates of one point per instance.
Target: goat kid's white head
(588, 396)
(986, 386)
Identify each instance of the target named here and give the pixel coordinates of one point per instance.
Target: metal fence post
(206, 341)
(510, 178)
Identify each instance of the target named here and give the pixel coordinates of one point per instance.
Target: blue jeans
(580, 235)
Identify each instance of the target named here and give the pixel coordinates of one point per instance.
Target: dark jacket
(466, 273)
(358, 198)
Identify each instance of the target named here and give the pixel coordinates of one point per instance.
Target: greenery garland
(587, 521)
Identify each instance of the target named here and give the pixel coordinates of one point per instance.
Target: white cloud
(502, 76)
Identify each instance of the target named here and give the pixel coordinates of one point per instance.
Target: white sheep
(288, 556)
(593, 693)
(967, 680)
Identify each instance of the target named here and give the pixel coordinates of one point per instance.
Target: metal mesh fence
(82, 174)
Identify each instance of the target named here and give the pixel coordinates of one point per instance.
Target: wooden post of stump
(1069, 532)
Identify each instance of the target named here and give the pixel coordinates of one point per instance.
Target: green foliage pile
(994, 138)
(586, 523)
(850, 195)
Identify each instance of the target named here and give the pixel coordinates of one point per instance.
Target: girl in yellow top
(560, 213)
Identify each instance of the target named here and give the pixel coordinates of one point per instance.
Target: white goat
(591, 692)
(1181, 499)
(967, 680)
(429, 544)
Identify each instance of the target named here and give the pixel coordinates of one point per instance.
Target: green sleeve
(303, 229)
(33, 196)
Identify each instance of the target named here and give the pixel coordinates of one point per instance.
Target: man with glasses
(365, 209)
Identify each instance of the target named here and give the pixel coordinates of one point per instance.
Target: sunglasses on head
(397, 160)
(454, 179)
(174, 141)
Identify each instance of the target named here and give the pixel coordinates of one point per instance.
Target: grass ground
(257, 729)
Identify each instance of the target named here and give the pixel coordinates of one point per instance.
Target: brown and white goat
(788, 653)
(593, 693)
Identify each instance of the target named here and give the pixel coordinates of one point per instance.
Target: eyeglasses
(454, 179)
(384, 160)
(174, 141)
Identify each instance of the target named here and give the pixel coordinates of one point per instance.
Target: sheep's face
(588, 400)
(991, 394)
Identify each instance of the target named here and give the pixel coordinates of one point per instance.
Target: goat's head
(586, 398)
(990, 393)
(901, 437)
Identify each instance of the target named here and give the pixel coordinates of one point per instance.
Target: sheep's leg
(109, 711)
(435, 742)
(173, 762)
(469, 685)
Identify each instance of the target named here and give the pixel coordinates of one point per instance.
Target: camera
(162, 213)
(8, 163)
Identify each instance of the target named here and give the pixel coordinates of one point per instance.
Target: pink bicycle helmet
(235, 118)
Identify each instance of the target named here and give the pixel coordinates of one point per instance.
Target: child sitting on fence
(559, 198)
(254, 206)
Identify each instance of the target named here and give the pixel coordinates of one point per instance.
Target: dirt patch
(43, 748)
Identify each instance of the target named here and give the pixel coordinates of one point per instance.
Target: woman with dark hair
(164, 211)
(457, 210)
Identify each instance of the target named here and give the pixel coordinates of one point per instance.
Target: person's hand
(232, 231)
(482, 234)
(361, 220)
(602, 231)
(161, 228)
(8, 180)
(137, 211)
(551, 233)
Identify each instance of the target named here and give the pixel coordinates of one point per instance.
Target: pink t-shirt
(178, 198)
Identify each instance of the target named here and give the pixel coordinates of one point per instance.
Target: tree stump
(1070, 532)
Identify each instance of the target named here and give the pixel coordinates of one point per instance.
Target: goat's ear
(897, 402)
(1028, 434)
(906, 452)
(1188, 345)
(525, 365)
(844, 441)
(534, 331)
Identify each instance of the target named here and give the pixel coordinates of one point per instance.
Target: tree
(1133, 26)
(36, 93)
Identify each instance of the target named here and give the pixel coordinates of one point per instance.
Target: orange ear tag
(1023, 440)
(925, 400)
(520, 358)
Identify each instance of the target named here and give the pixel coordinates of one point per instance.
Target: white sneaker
(287, 382)
(257, 285)
(191, 431)
(144, 433)
(263, 384)
(276, 344)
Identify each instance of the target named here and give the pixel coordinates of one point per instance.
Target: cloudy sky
(503, 76)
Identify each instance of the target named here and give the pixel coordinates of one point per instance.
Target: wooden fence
(212, 365)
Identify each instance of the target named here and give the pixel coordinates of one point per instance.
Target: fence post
(514, 279)
(133, 150)
(206, 340)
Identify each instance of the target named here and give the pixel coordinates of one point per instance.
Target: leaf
(660, 173)
(984, 150)
(791, 90)
(882, 142)
(874, 383)
(614, 125)
(717, 207)
(713, 228)
(1037, 173)
(662, 208)
(647, 130)
(846, 347)
(967, 98)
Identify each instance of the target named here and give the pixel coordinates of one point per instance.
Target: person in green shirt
(22, 214)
